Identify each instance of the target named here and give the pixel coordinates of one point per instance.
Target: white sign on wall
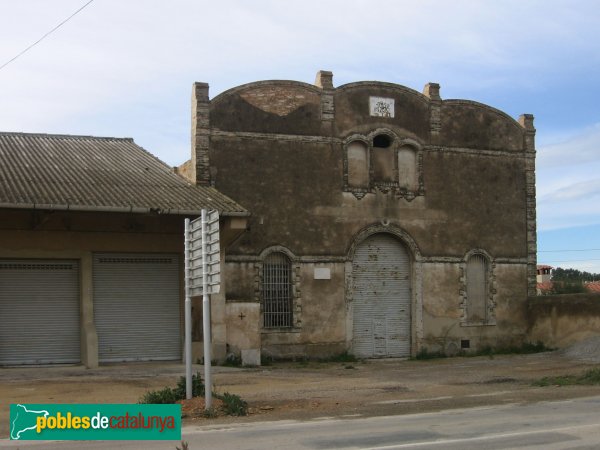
(381, 107)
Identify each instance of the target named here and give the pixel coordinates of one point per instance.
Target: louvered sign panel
(213, 254)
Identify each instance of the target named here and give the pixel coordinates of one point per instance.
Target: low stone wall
(561, 320)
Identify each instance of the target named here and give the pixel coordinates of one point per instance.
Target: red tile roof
(593, 286)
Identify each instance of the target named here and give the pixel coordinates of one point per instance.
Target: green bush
(233, 361)
(233, 404)
(160, 397)
(171, 395)
(198, 388)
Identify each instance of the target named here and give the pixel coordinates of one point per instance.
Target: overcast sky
(125, 68)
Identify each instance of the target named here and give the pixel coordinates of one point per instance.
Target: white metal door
(136, 307)
(381, 298)
(39, 312)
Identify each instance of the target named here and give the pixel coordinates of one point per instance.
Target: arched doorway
(381, 283)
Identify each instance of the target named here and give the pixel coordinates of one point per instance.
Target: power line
(572, 250)
(45, 35)
(572, 260)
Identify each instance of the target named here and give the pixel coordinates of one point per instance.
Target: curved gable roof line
(455, 101)
(263, 83)
(395, 86)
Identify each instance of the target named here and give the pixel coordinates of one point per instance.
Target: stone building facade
(383, 221)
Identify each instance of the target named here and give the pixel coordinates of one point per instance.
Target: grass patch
(304, 361)
(588, 378)
(425, 354)
(525, 349)
(341, 358)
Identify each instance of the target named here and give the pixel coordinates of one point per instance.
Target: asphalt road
(571, 424)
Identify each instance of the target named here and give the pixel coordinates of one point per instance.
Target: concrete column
(89, 336)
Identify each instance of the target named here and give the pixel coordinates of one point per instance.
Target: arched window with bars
(277, 291)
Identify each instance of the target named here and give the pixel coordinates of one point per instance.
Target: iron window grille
(277, 291)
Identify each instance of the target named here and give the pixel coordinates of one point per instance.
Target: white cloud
(576, 149)
(126, 67)
(568, 181)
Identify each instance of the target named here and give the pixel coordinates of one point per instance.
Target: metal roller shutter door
(39, 312)
(381, 298)
(136, 307)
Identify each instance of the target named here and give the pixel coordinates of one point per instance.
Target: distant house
(544, 279)
(91, 245)
(593, 287)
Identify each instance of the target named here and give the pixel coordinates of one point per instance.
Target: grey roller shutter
(136, 307)
(39, 312)
(381, 298)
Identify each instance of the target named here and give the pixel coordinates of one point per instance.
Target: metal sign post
(203, 277)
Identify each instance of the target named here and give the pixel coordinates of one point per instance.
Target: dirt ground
(312, 390)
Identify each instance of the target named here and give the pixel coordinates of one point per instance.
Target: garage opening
(39, 309)
(136, 307)
(381, 284)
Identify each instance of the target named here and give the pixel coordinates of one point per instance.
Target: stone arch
(277, 248)
(385, 227)
(295, 283)
(415, 261)
(490, 304)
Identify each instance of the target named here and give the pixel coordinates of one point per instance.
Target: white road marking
(479, 438)
(412, 400)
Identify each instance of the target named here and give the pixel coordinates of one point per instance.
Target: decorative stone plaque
(381, 107)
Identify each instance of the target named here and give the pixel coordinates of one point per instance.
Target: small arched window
(277, 291)
(358, 165)
(407, 168)
(382, 159)
(477, 289)
(382, 141)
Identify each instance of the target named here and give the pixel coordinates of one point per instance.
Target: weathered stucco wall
(561, 320)
(280, 149)
(443, 314)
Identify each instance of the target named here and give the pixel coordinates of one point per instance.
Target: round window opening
(382, 141)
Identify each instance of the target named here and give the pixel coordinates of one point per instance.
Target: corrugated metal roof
(97, 174)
